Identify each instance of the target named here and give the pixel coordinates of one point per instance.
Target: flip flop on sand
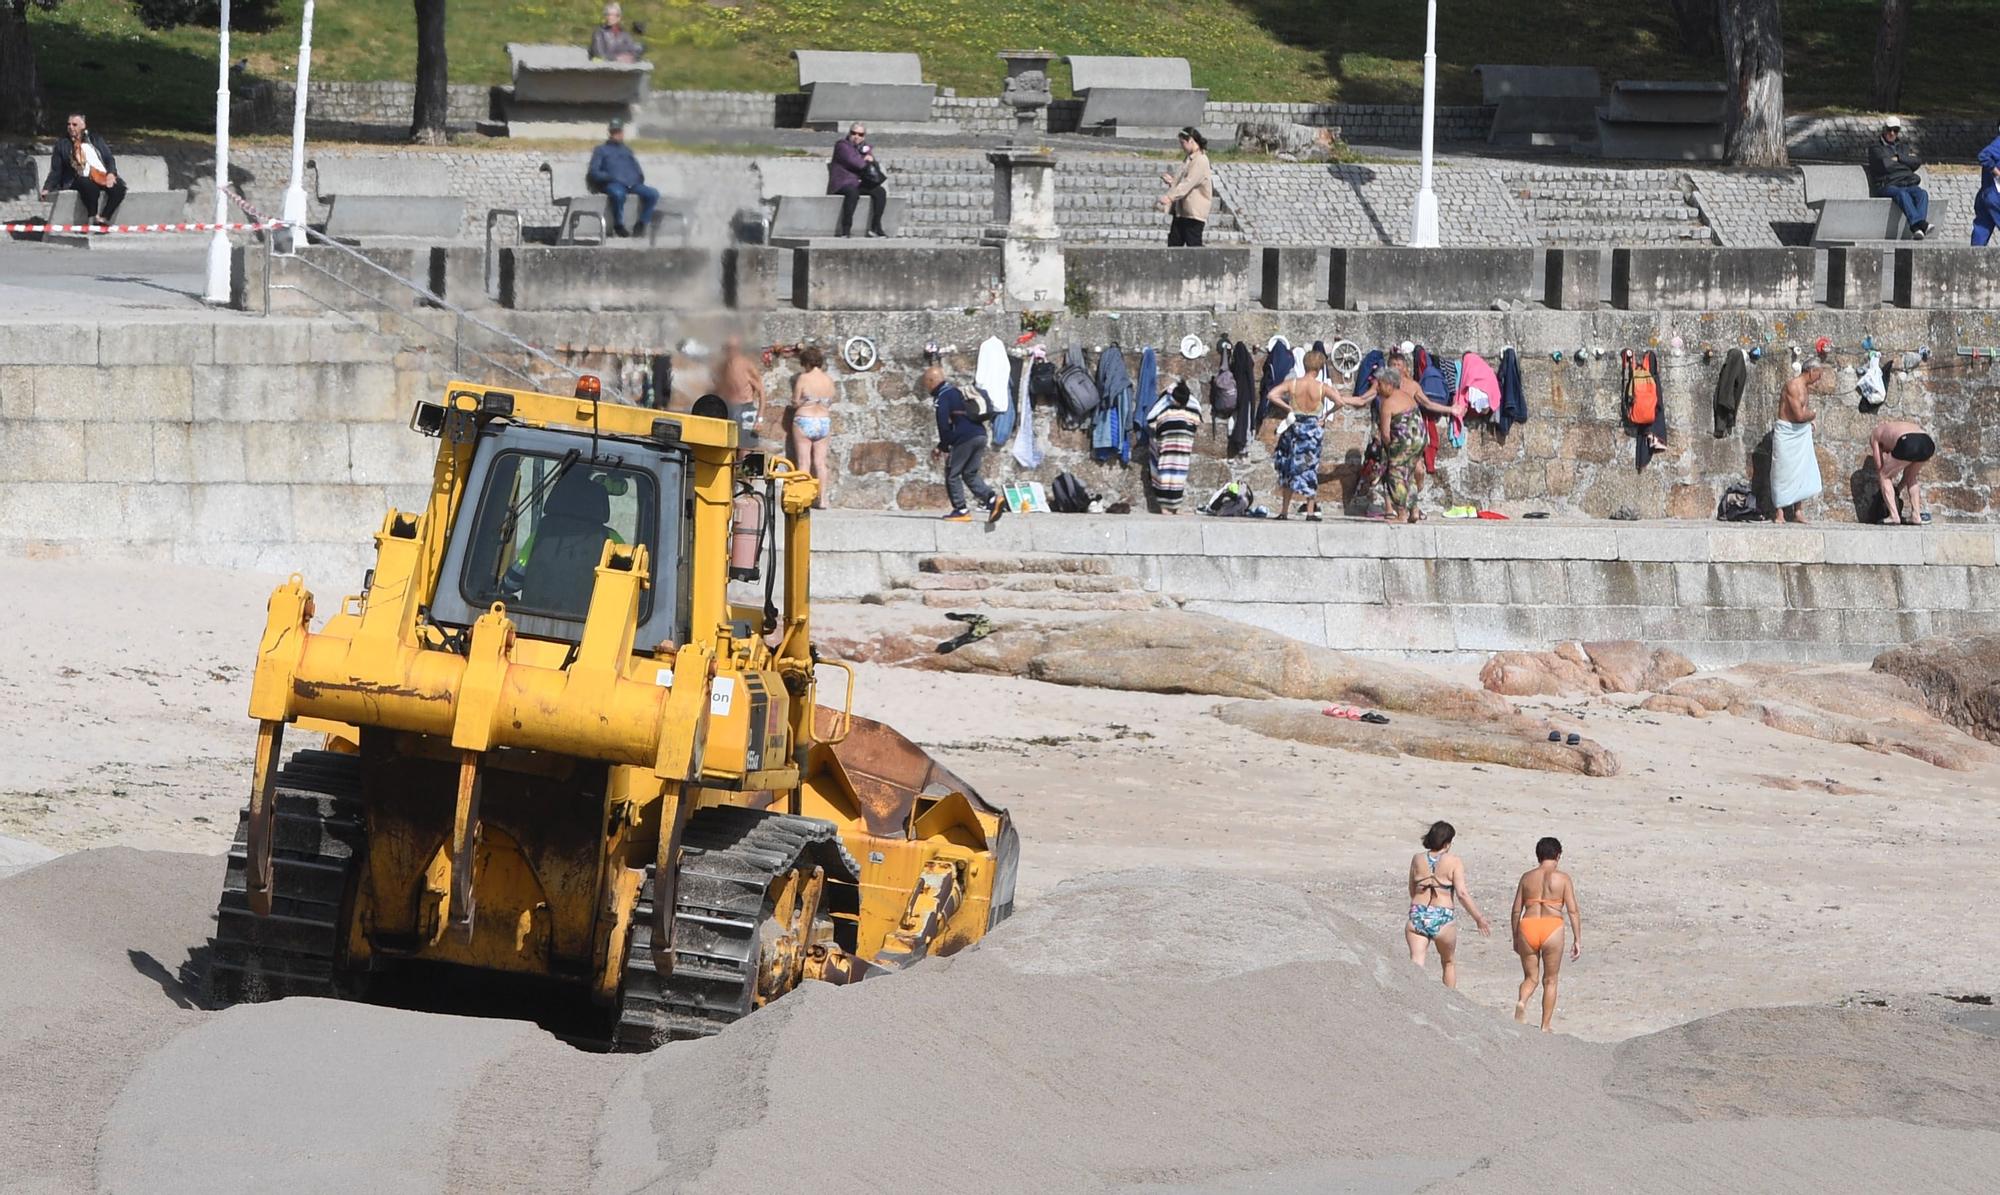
(1342, 711)
(1376, 719)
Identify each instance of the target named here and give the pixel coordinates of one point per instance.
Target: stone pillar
(1024, 226)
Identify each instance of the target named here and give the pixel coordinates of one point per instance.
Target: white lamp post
(218, 245)
(295, 195)
(1424, 217)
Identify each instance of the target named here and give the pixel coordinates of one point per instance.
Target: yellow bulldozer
(568, 735)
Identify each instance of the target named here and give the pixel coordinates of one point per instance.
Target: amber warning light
(587, 386)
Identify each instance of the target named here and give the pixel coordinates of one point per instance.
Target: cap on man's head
(617, 126)
(1894, 122)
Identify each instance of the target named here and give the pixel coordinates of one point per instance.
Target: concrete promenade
(1719, 593)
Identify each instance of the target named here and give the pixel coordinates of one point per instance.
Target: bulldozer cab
(539, 507)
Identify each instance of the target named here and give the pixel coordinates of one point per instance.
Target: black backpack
(1067, 495)
(1042, 380)
(1078, 391)
(1738, 504)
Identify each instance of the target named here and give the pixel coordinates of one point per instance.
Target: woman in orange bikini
(1437, 883)
(1538, 933)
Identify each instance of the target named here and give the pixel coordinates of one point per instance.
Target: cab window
(541, 527)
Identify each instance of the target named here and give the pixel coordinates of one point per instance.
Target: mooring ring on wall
(1345, 357)
(859, 353)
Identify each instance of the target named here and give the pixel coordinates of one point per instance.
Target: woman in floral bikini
(1437, 882)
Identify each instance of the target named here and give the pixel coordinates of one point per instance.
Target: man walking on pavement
(614, 170)
(962, 442)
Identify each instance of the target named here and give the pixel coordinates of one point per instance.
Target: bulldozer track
(317, 838)
(730, 858)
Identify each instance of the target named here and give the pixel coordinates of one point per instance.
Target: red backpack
(1642, 387)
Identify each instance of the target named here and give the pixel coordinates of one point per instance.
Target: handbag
(872, 174)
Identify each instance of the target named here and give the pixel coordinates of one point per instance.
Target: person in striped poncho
(1174, 420)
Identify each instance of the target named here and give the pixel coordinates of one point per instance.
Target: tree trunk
(20, 86)
(1891, 49)
(1753, 44)
(429, 124)
(1698, 21)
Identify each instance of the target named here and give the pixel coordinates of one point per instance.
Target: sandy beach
(1194, 896)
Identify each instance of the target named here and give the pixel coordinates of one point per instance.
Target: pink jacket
(1475, 374)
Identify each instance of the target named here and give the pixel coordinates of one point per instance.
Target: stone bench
(561, 91)
(844, 86)
(1136, 97)
(388, 197)
(1845, 214)
(1540, 105)
(148, 197)
(576, 202)
(1663, 121)
(804, 217)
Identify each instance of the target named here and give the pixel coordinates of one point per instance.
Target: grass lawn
(95, 54)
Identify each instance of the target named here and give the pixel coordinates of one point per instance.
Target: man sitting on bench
(615, 171)
(1892, 174)
(81, 162)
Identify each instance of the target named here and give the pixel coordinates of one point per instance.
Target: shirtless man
(1794, 464)
(741, 383)
(1899, 450)
(1538, 935)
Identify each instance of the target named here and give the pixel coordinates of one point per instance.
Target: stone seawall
(1719, 595)
(248, 441)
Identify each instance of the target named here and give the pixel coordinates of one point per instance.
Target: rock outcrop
(1608, 666)
(1836, 705)
(1510, 740)
(1958, 680)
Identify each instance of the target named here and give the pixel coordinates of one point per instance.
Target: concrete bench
(148, 197)
(388, 197)
(1540, 105)
(561, 91)
(843, 86)
(1663, 121)
(1845, 214)
(804, 217)
(1145, 97)
(576, 203)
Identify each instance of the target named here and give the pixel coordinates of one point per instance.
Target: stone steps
(1594, 208)
(1097, 199)
(1021, 582)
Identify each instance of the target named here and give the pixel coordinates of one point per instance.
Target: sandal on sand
(1377, 719)
(1342, 711)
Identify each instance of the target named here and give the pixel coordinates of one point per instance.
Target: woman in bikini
(1437, 881)
(812, 419)
(1304, 400)
(1540, 900)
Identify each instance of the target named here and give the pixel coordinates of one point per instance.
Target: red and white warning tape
(96, 229)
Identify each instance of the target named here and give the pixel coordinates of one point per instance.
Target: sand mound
(1153, 1030)
(89, 947)
(1958, 679)
(1836, 705)
(1173, 651)
(1817, 1062)
(1512, 741)
(1104, 1050)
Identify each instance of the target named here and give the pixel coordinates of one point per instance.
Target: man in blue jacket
(614, 172)
(962, 442)
(1986, 205)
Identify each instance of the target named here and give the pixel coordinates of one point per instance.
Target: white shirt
(90, 159)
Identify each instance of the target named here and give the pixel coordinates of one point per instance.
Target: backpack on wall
(1222, 393)
(1642, 388)
(1078, 391)
(1042, 380)
(1067, 495)
(1738, 504)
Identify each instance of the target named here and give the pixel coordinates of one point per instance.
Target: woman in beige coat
(1190, 191)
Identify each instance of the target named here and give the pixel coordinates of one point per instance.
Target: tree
(1891, 48)
(1753, 45)
(20, 86)
(429, 123)
(1697, 21)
